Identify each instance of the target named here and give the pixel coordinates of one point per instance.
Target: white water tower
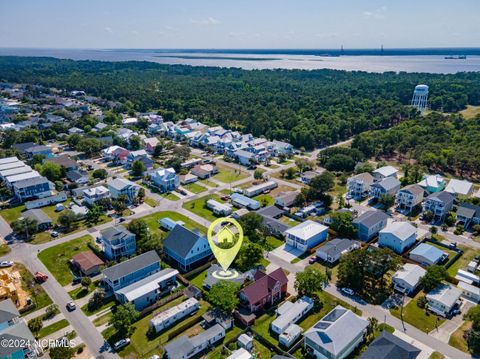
(420, 97)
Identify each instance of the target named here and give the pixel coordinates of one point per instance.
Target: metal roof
(132, 265)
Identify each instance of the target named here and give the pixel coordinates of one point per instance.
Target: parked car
(121, 343)
(76, 280)
(121, 219)
(54, 234)
(347, 291)
(4, 264)
(312, 259)
(71, 306)
(40, 277)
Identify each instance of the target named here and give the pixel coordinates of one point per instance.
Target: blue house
(187, 249)
(130, 271)
(398, 236)
(369, 224)
(118, 242)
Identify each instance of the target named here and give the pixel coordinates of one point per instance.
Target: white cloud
(109, 30)
(376, 14)
(205, 22)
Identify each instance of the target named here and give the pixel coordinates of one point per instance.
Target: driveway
(445, 330)
(287, 253)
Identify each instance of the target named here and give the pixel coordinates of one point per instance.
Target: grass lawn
(12, 214)
(417, 316)
(52, 328)
(262, 326)
(56, 258)
(35, 290)
(228, 175)
(151, 202)
(436, 355)
(50, 211)
(265, 200)
(457, 340)
(170, 196)
(80, 292)
(323, 269)
(462, 262)
(144, 347)
(4, 249)
(198, 279)
(154, 225)
(274, 242)
(194, 188)
(105, 305)
(199, 207)
(208, 183)
(470, 112)
(264, 262)
(289, 221)
(103, 319)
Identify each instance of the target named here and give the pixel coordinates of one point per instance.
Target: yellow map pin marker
(225, 236)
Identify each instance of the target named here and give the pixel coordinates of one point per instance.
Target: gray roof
(30, 182)
(414, 189)
(336, 246)
(179, 348)
(388, 346)
(370, 218)
(38, 215)
(271, 211)
(113, 233)
(207, 335)
(147, 285)
(444, 197)
(388, 183)
(8, 311)
(468, 210)
(15, 332)
(181, 240)
(132, 265)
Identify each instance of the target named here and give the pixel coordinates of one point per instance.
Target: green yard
(457, 340)
(265, 200)
(197, 280)
(274, 242)
(170, 196)
(80, 292)
(52, 328)
(208, 183)
(418, 317)
(103, 319)
(289, 221)
(151, 202)
(57, 258)
(154, 225)
(12, 214)
(4, 249)
(108, 304)
(35, 290)
(199, 206)
(194, 188)
(462, 262)
(228, 175)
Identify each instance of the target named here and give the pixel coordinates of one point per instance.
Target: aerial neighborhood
(104, 217)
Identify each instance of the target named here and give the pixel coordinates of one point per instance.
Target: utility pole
(401, 313)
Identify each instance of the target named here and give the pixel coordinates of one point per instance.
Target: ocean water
(432, 61)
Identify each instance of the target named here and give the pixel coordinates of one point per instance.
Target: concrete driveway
(287, 253)
(445, 330)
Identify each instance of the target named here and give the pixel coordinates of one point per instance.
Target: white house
(469, 291)
(306, 235)
(332, 251)
(359, 186)
(409, 197)
(290, 335)
(220, 209)
(384, 172)
(289, 313)
(336, 335)
(443, 299)
(240, 354)
(407, 279)
(398, 236)
(459, 187)
(427, 255)
(259, 189)
(120, 186)
(165, 179)
(94, 194)
(172, 315)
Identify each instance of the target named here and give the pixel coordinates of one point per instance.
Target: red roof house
(87, 263)
(266, 290)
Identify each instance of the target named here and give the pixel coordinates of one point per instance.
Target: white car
(121, 343)
(154, 357)
(71, 306)
(347, 291)
(4, 264)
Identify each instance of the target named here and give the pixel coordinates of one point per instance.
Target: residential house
(443, 299)
(389, 346)
(185, 347)
(409, 197)
(459, 187)
(439, 204)
(290, 335)
(336, 335)
(130, 121)
(427, 255)
(147, 291)
(220, 209)
(38, 187)
(432, 183)
(14, 330)
(386, 186)
(186, 248)
(260, 188)
(407, 279)
(332, 251)
(130, 271)
(306, 235)
(204, 171)
(168, 223)
(266, 290)
(75, 131)
(384, 172)
(94, 194)
(468, 214)
(22, 147)
(271, 220)
(44, 222)
(78, 176)
(5, 174)
(87, 263)
(369, 223)
(122, 187)
(398, 236)
(358, 186)
(289, 313)
(469, 291)
(39, 150)
(118, 242)
(245, 157)
(64, 161)
(116, 154)
(307, 176)
(150, 143)
(12, 179)
(174, 314)
(165, 179)
(188, 178)
(241, 201)
(286, 199)
(240, 354)
(281, 147)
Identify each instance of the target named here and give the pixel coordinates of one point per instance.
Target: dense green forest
(308, 108)
(445, 143)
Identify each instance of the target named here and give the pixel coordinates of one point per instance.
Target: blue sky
(239, 24)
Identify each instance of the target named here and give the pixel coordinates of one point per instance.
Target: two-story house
(384, 172)
(130, 271)
(409, 197)
(432, 183)
(439, 204)
(398, 236)
(389, 185)
(165, 179)
(187, 249)
(306, 235)
(118, 242)
(468, 214)
(122, 187)
(443, 299)
(32, 188)
(94, 194)
(369, 224)
(358, 186)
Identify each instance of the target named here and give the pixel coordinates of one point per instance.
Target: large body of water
(420, 60)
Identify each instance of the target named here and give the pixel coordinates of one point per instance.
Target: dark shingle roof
(112, 233)
(443, 196)
(388, 346)
(38, 215)
(181, 240)
(468, 210)
(8, 311)
(370, 218)
(271, 211)
(132, 265)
